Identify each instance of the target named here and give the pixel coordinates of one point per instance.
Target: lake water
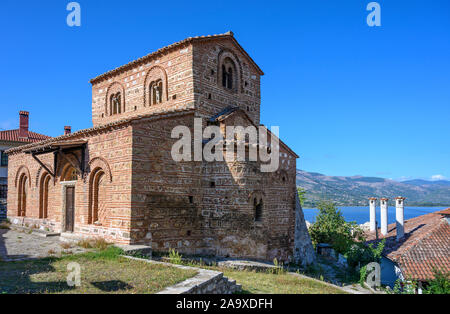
(361, 214)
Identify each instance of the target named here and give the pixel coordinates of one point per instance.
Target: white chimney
(399, 216)
(384, 216)
(373, 214)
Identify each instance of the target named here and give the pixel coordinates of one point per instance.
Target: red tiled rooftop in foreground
(13, 136)
(426, 245)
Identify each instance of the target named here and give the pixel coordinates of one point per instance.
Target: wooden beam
(43, 165)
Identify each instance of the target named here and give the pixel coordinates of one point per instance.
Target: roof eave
(130, 120)
(176, 45)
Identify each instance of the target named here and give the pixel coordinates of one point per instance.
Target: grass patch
(266, 283)
(101, 272)
(273, 281)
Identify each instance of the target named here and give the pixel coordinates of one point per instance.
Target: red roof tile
(81, 133)
(13, 136)
(426, 245)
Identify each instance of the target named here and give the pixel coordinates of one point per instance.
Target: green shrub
(302, 195)
(278, 269)
(175, 257)
(440, 284)
(405, 287)
(330, 227)
(361, 254)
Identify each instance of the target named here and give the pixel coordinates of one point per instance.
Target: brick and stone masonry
(128, 189)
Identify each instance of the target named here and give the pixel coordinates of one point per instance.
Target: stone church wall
(110, 150)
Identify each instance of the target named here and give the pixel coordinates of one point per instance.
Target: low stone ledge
(247, 265)
(135, 250)
(205, 282)
(37, 232)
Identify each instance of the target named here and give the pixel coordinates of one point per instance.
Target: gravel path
(17, 245)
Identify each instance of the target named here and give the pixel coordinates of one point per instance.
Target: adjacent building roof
(13, 136)
(70, 138)
(229, 35)
(426, 246)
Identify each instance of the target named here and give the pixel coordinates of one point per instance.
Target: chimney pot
(384, 216)
(399, 217)
(67, 130)
(373, 214)
(23, 124)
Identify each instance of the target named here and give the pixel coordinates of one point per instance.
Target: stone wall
(303, 251)
(229, 212)
(166, 194)
(210, 96)
(174, 68)
(107, 149)
(195, 207)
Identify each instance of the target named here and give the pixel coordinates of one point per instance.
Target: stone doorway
(68, 206)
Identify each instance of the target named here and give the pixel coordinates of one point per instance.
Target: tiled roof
(49, 141)
(176, 45)
(426, 245)
(13, 136)
(227, 112)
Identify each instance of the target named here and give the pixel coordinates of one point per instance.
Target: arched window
(115, 99)
(23, 193)
(156, 86)
(70, 174)
(115, 103)
(156, 92)
(229, 74)
(258, 207)
(98, 193)
(43, 196)
(227, 77)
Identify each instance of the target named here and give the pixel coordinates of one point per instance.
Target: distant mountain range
(355, 191)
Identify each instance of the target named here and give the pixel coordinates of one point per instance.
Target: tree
(330, 227)
(302, 195)
(440, 284)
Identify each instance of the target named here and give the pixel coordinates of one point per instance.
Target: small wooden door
(70, 208)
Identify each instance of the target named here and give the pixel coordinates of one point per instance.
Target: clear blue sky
(349, 99)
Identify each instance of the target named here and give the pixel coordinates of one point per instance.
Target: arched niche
(115, 92)
(228, 64)
(156, 79)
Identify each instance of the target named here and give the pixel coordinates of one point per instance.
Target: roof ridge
(229, 34)
(13, 135)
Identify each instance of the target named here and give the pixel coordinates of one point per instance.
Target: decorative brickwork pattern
(128, 188)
